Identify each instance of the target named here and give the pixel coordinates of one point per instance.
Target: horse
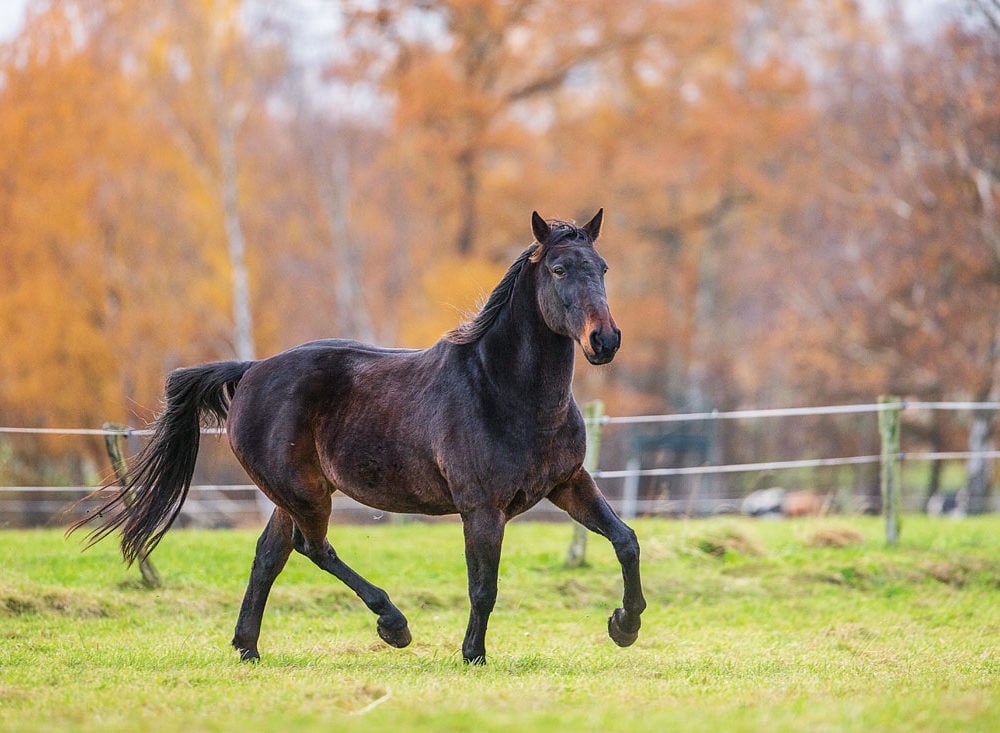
(482, 424)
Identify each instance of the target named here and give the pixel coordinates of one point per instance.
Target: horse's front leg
(483, 539)
(583, 501)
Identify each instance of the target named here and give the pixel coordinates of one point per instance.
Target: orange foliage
(766, 241)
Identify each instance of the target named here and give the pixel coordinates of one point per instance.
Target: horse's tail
(160, 476)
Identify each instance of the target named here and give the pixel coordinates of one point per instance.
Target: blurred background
(801, 201)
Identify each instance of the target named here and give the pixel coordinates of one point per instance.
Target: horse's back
(345, 345)
(311, 383)
(354, 413)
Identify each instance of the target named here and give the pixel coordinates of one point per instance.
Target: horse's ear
(593, 227)
(539, 227)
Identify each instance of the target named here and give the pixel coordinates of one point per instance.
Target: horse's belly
(388, 475)
(401, 500)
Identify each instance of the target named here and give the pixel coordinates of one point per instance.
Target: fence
(630, 505)
(215, 504)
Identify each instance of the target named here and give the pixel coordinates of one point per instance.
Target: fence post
(113, 438)
(592, 414)
(630, 491)
(888, 427)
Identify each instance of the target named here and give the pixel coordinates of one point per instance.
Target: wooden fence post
(888, 427)
(113, 438)
(592, 414)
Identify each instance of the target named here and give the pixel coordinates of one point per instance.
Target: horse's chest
(514, 471)
(552, 458)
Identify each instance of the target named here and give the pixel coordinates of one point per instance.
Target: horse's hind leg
(273, 549)
(309, 538)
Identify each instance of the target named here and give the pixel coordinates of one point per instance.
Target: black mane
(473, 330)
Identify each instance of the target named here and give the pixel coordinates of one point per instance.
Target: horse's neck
(525, 359)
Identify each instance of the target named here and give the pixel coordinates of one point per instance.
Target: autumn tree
(662, 113)
(204, 81)
(101, 107)
(801, 200)
(462, 75)
(895, 246)
(58, 300)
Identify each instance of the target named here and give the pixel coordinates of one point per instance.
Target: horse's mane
(474, 329)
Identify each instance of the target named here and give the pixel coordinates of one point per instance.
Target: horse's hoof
(249, 655)
(398, 638)
(618, 635)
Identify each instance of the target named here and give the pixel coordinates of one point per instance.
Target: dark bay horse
(482, 424)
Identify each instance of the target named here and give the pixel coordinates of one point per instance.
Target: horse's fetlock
(474, 654)
(636, 607)
(392, 618)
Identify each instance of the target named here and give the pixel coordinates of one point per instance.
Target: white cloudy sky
(11, 17)
(918, 12)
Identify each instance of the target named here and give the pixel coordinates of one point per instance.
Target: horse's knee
(266, 565)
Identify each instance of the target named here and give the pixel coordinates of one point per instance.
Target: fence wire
(206, 505)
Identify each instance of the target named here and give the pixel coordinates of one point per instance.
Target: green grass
(750, 626)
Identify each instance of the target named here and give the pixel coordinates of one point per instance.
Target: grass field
(750, 626)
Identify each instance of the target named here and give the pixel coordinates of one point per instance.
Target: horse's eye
(559, 271)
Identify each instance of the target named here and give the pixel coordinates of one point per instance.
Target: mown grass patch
(776, 631)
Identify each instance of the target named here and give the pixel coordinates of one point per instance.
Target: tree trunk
(335, 192)
(593, 413)
(467, 207)
(974, 497)
(242, 317)
(936, 440)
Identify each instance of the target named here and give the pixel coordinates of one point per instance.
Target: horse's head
(570, 286)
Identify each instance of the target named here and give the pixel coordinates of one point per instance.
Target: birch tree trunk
(243, 340)
(335, 192)
(974, 496)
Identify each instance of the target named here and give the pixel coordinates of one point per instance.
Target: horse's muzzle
(603, 345)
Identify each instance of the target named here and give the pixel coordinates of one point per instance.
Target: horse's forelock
(560, 232)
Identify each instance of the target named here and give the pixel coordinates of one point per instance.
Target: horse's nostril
(602, 342)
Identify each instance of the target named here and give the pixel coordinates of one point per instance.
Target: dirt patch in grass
(432, 600)
(963, 572)
(55, 602)
(14, 606)
(835, 537)
(728, 541)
